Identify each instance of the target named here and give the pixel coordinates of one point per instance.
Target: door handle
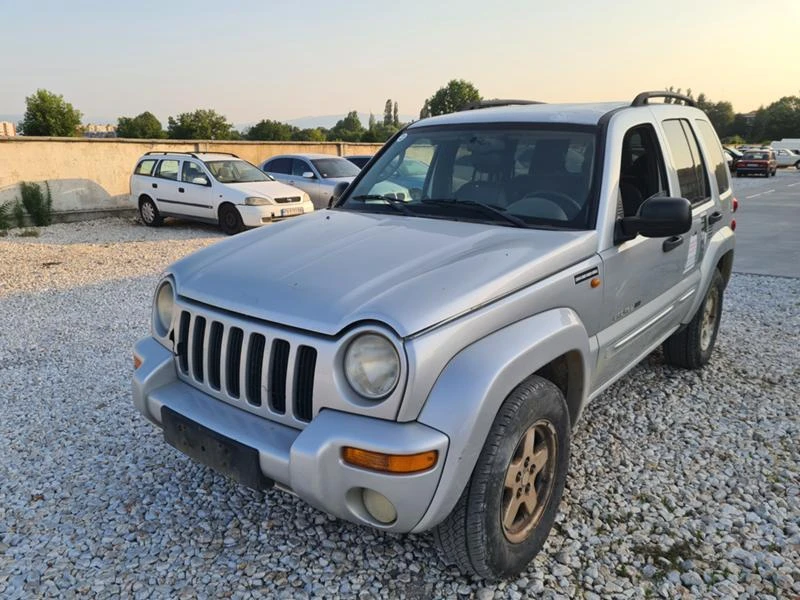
(155, 185)
(672, 243)
(714, 217)
(181, 190)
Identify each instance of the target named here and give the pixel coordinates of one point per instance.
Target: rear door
(279, 168)
(310, 186)
(165, 187)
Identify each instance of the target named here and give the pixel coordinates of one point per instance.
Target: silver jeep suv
(416, 357)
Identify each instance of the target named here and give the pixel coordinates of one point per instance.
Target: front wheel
(797, 165)
(230, 221)
(691, 347)
(509, 505)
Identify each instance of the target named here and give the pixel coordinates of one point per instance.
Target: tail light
(733, 224)
(735, 205)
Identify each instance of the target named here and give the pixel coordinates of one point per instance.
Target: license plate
(224, 455)
(287, 212)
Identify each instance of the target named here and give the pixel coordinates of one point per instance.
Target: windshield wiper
(487, 208)
(396, 204)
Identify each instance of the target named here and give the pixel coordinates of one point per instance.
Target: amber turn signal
(595, 282)
(390, 463)
(137, 362)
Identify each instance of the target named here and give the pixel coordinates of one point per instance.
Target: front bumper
(254, 216)
(308, 462)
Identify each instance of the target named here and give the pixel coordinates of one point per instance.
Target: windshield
(236, 171)
(507, 175)
(335, 167)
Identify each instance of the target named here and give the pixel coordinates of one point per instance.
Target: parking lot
(682, 484)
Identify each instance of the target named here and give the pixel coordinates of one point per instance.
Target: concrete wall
(89, 177)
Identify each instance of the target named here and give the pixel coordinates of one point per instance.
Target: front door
(310, 186)
(195, 194)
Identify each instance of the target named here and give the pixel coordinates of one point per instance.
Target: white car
(787, 158)
(217, 188)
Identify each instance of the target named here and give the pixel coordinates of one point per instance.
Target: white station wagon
(217, 188)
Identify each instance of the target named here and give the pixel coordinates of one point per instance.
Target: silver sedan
(315, 174)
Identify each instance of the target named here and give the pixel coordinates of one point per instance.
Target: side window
(714, 152)
(279, 165)
(168, 169)
(642, 172)
(688, 162)
(299, 167)
(145, 167)
(190, 171)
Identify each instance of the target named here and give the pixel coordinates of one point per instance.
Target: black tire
(230, 221)
(474, 536)
(148, 213)
(797, 165)
(691, 347)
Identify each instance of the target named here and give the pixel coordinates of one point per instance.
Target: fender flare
(470, 390)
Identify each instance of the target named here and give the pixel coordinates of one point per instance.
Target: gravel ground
(682, 485)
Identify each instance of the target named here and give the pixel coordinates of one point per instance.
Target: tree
(271, 131)
(780, 119)
(387, 113)
(49, 114)
(452, 97)
(426, 110)
(316, 134)
(348, 129)
(202, 124)
(371, 122)
(143, 126)
(396, 115)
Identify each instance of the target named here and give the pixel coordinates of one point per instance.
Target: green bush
(38, 204)
(19, 214)
(5, 216)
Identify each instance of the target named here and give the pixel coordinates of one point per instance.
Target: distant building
(99, 131)
(7, 128)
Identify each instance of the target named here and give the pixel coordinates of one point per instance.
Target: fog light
(379, 506)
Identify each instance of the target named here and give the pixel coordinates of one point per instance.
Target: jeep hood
(327, 270)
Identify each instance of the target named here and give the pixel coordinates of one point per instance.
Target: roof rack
(497, 102)
(192, 154)
(643, 98)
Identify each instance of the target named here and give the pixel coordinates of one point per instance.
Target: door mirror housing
(309, 175)
(199, 180)
(338, 190)
(657, 217)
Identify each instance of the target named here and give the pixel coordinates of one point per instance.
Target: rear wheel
(149, 213)
(797, 165)
(691, 347)
(507, 509)
(230, 221)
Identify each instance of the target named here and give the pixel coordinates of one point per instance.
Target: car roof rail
(497, 102)
(643, 98)
(192, 154)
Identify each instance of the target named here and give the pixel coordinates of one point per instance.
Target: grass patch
(28, 233)
(666, 559)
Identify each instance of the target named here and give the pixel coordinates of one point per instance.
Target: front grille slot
(234, 361)
(255, 365)
(304, 383)
(277, 375)
(287, 199)
(214, 354)
(183, 341)
(198, 333)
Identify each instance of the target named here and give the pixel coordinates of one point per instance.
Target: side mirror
(338, 190)
(200, 180)
(308, 175)
(657, 217)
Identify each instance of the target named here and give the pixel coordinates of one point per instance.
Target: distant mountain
(329, 121)
(12, 118)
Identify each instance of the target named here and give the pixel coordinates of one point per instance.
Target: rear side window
(145, 167)
(714, 154)
(688, 162)
(168, 169)
(279, 165)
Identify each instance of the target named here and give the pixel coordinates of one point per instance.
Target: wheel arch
(469, 392)
(143, 197)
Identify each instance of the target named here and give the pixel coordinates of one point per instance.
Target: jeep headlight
(163, 309)
(257, 201)
(371, 366)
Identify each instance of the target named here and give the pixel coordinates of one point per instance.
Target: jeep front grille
(250, 366)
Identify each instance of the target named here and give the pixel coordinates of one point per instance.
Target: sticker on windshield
(402, 137)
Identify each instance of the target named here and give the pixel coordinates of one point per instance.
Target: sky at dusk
(284, 60)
